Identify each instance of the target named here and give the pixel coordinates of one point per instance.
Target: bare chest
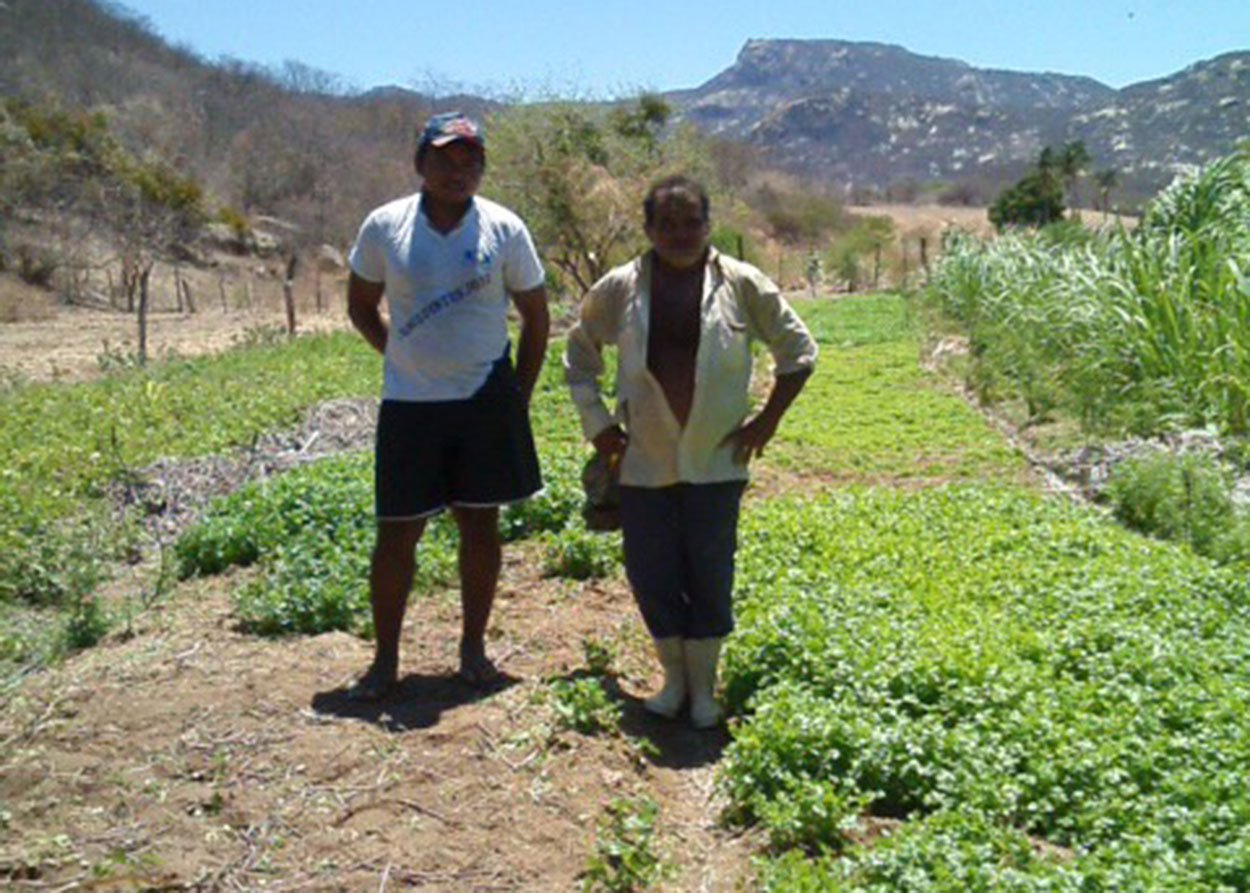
(673, 330)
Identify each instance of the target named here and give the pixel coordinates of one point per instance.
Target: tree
(1072, 161)
(1035, 200)
(577, 173)
(1106, 180)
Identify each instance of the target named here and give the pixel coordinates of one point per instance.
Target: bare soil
(52, 340)
(185, 755)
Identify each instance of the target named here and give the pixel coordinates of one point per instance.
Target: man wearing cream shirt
(682, 318)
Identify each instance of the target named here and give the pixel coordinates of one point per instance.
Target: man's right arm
(364, 302)
(583, 365)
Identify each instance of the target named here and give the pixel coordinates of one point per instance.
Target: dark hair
(674, 183)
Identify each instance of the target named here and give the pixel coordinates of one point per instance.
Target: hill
(872, 114)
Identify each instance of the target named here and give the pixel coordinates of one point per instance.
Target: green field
(941, 679)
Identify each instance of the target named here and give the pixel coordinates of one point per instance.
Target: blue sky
(608, 48)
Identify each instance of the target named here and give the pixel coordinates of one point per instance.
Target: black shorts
(477, 452)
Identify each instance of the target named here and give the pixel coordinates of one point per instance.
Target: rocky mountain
(1191, 117)
(872, 114)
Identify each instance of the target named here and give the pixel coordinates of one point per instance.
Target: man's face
(452, 173)
(678, 230)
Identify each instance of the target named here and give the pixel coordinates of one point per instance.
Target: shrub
(86, 625)
(578, 554)
(237, 221)
(1036, 200)
(583, 706)
(36, 266)
(1186, 498)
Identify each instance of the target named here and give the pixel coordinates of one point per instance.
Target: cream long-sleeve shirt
(740, 305)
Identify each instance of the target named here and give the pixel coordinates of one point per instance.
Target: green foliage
(1212, 200)
(582, 705)
(579, 554)
(49, 562)
(1143, 331)
(553, 509)
(860, 244)
(61, 446)
(625, 857)
(1187, 498)
(644, 120)
(78, 142)
(599, 655)
(160, 185)
(577, 173)
(813, 816)
(727, 240)
(947, 852)
(309, 587)
(1017, 664)
(86, 624)
(311, 531)
(236, 220)
(1035, 200)
(870, 413)
(72, 154)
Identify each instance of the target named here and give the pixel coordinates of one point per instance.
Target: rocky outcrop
(868, 113)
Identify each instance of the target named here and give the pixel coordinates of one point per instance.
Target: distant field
(915, 220)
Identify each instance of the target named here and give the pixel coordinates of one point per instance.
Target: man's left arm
(749, 440)
(532, 343)
(794, 350)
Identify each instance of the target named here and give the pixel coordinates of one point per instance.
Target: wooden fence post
(143, 314)
(288, 293)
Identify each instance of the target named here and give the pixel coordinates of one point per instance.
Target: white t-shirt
(447, 294)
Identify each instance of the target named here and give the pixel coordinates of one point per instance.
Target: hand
(749, 440)
(611, 441)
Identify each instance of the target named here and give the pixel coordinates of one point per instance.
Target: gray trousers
(679, 556)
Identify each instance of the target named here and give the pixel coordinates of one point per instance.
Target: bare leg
(479, 557)
(390, 579)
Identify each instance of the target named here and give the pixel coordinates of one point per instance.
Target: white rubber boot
(668, 700)
(702, 656)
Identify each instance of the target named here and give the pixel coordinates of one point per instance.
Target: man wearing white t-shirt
(453, 428)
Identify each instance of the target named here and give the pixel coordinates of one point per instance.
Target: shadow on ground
(417, 702)
(676, 745)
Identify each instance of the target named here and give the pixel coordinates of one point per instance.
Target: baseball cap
(449, 127)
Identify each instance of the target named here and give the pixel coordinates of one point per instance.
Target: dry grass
(20, 302)
(41, 339)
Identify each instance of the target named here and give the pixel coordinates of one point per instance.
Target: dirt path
(187, 755)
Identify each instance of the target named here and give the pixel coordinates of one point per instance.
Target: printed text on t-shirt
(443, 301)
